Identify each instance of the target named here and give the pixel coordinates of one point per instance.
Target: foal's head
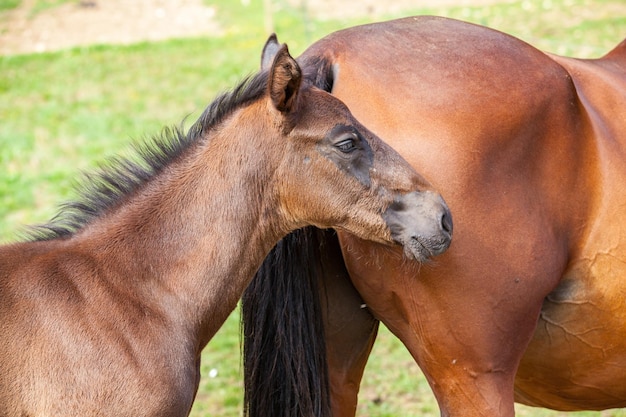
(330, 171)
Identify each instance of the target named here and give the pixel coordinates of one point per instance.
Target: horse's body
(529, 150)
(106, 312)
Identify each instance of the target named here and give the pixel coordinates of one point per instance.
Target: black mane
(318, 71)
(110, 184)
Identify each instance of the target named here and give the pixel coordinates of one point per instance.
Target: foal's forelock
(116, 180)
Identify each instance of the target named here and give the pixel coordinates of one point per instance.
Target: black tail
(285, 369)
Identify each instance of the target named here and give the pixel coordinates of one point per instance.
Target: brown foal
(106, 310)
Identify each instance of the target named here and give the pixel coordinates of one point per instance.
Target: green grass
(43, 5)
(52, 128)
(61, 113)
(9, 4)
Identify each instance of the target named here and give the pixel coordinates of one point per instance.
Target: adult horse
(529, 150)
(106, 312)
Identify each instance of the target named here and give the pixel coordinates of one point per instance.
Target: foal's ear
(269, 52)
(284, 80)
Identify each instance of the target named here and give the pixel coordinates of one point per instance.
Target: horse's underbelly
(577, 358)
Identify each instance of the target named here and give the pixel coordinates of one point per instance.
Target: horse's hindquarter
(577, 359)
(70, 345)
(495, 125)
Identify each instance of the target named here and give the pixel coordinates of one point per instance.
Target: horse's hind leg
(350, 331)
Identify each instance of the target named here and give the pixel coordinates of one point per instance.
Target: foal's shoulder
(28, 265)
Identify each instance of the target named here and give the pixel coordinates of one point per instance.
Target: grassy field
(61, 113)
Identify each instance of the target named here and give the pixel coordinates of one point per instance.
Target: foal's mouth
(421, 222)
(422, 249)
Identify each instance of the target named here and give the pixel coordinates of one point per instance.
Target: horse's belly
(577, 358)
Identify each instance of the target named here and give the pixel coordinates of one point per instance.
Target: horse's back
(36, 306)
(436, 88)
(22, 302)
(528, 151)
(67, 334)
(617, 55)
(486, 117)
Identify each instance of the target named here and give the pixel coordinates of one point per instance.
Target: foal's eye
(346, 145)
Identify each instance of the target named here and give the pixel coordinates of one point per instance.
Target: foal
(107, 310)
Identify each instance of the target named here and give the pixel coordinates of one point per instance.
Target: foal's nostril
(446, 222)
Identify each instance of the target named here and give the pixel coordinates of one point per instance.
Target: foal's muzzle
(421, 222)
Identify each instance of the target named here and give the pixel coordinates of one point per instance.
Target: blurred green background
(62, 112)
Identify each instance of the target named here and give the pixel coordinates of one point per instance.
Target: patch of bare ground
(88, 22)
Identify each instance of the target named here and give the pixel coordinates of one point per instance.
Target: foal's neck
(198, 231)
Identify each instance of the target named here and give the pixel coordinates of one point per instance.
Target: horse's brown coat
(529, 151)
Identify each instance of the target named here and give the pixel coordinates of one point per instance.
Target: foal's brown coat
(106, 314)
